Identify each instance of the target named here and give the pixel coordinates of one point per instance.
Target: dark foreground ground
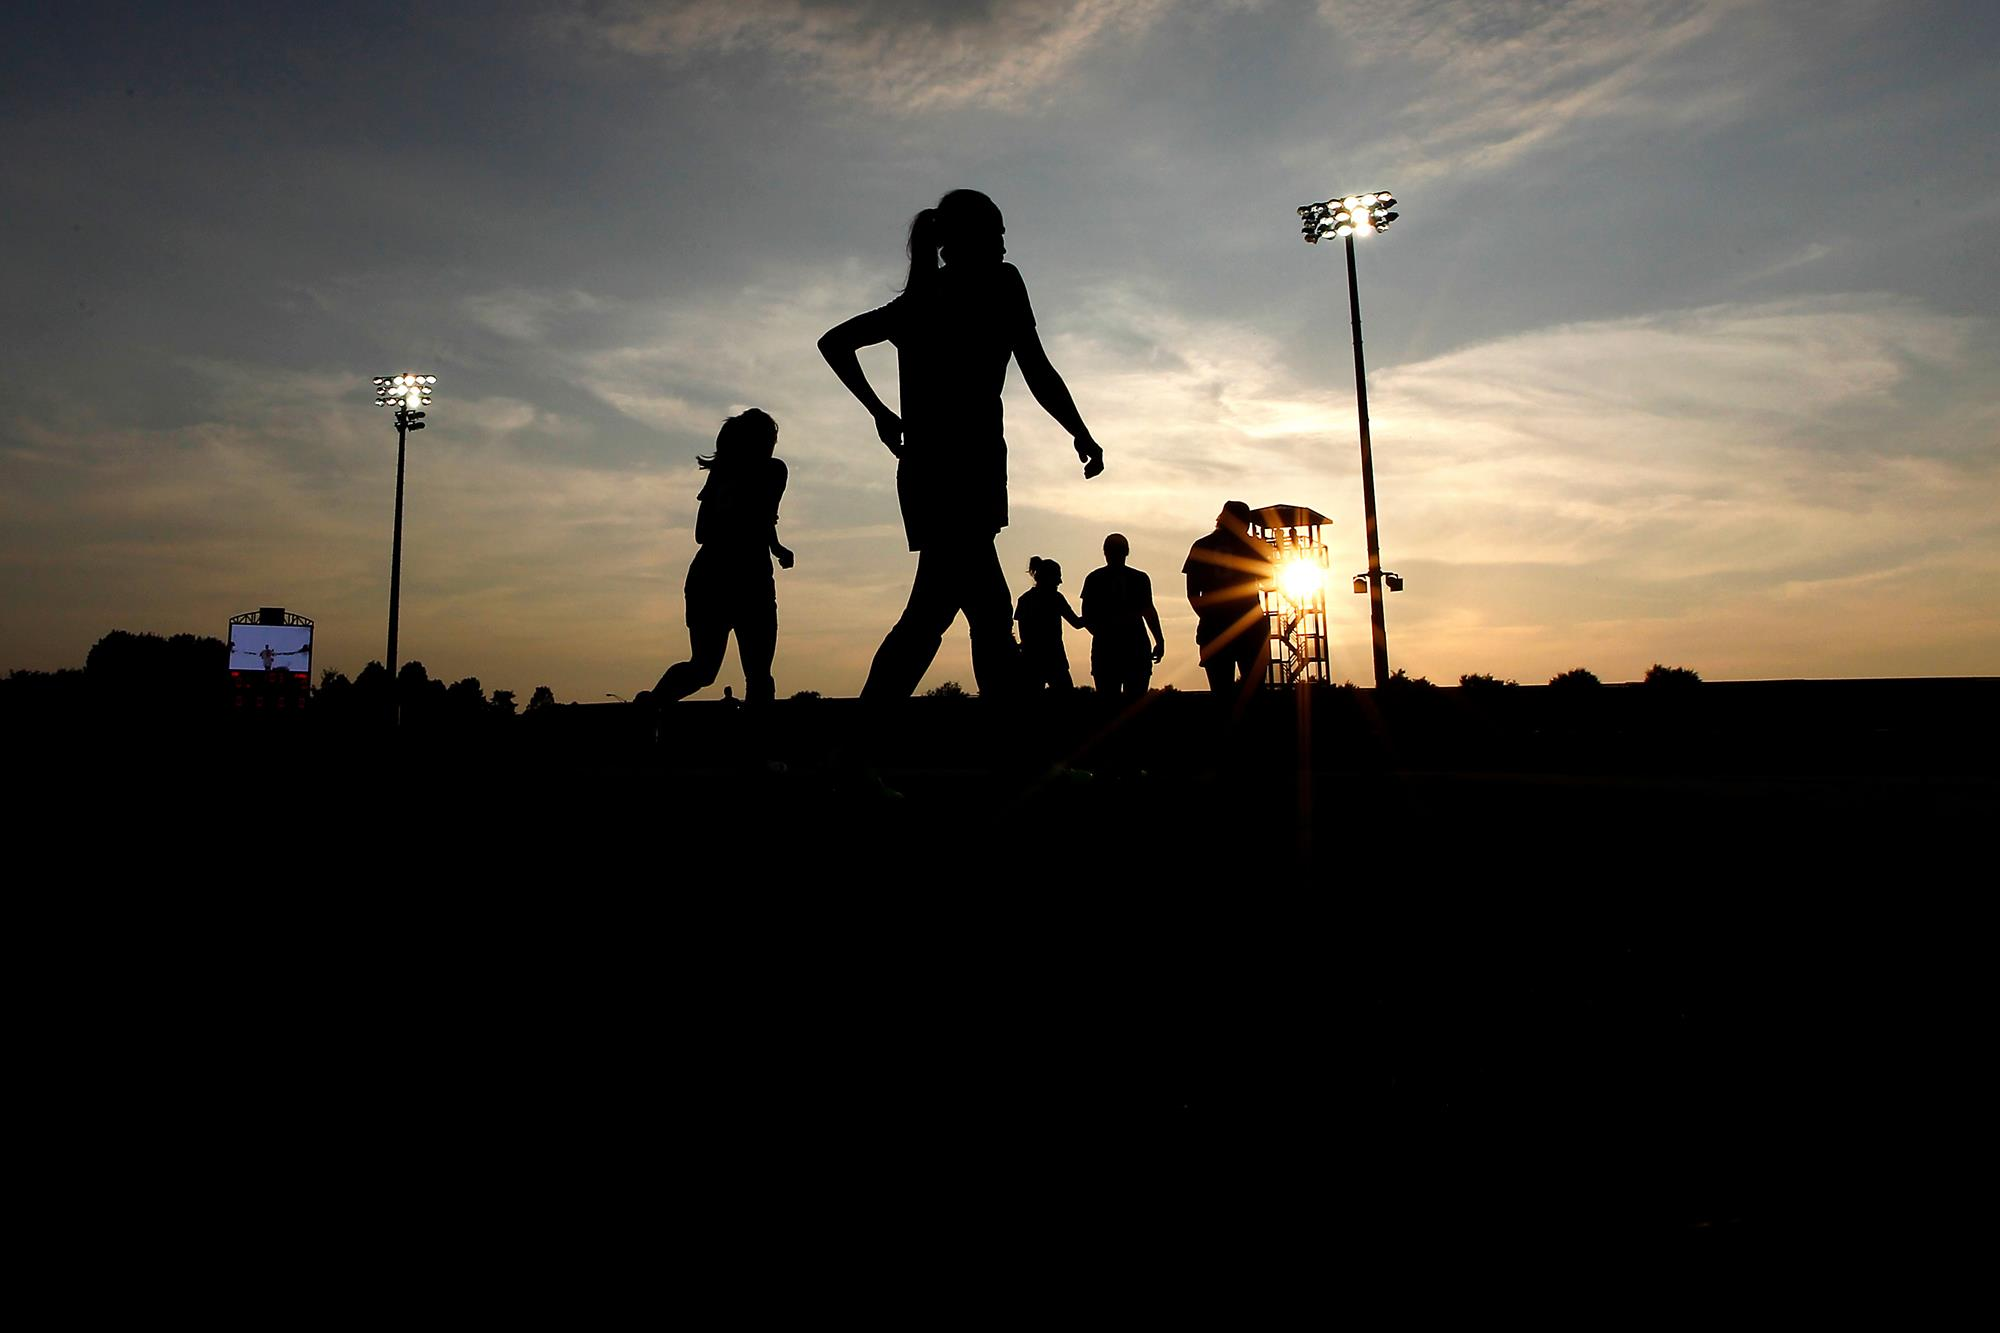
(824, 999)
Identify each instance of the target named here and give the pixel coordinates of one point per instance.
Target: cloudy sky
(1683, 350)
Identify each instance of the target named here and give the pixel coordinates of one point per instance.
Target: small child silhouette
(1041, 612)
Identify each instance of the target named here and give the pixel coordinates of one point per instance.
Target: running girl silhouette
(963, 313)
(1041, 611)
(730, 585)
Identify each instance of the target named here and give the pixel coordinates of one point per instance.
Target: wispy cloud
(528, 316)
(1810, 253)
(897, 54)
(1492, 80)
(1611, 488)
(685, 365)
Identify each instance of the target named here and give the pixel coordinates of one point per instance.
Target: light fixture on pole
(409, 394)
(1346, 216)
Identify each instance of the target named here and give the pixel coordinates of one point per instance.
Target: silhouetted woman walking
(730, 585)
(963, 313)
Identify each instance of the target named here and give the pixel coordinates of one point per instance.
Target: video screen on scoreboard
(268, 647)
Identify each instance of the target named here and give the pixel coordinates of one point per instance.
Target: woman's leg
(989, 614)
(707, 642)
(756, 645)
(912, 643)
(950, 578)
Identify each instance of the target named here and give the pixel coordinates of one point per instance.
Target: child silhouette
(1041, 613)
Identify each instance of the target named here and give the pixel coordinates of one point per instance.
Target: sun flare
(1301, 580)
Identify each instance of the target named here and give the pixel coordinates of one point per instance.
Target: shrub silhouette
(950, 689)
(1480, 681)
(1575, 678)
(1671, 676)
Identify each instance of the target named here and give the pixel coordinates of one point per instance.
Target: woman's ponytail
(961, 213)
(926, 236)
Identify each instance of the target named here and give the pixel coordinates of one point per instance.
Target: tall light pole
(1344, 216)
(409, 394)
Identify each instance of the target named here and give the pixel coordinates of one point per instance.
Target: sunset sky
(1684, 349)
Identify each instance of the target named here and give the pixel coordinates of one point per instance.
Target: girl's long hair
(745, 439)
(933, 228)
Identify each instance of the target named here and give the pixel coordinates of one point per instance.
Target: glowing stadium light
(1343, 217)
(406, 391)
(409, 393)
(1347, 215)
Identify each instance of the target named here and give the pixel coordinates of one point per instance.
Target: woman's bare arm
(1047, 385)
(778, 548)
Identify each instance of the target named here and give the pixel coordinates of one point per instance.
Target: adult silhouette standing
(962, 314)
(730, 585)
(1224, 572)
(1118, 611)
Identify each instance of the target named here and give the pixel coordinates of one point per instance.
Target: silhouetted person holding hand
(1224, 571)
(1118, 611)
(963, 313)
(1041, 613)
(730, 585)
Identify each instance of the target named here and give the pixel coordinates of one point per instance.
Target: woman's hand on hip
(889, 429)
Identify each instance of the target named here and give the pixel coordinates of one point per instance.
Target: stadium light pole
(1344, 216)
(409, 394)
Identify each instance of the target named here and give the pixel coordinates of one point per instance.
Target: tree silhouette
(465, 697)
(543, 697)
(373, 682)
(184, 674)
(1575, 678)
(502, 703)
(40, 699)
(418, 696)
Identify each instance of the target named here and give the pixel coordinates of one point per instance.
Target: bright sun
(1301, 580)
